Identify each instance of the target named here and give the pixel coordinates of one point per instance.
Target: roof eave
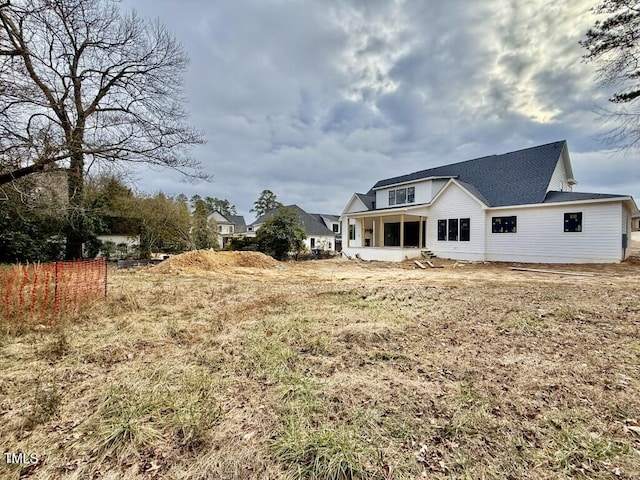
(415, 180)
(626, 199)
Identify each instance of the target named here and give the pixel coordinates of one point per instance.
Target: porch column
(374, 233)
(402, 230)
(362, 232)
(420, 233)
(381, 234)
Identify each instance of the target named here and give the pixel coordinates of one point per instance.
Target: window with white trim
(401, 196)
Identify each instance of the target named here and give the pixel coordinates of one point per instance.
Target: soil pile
(208, 260)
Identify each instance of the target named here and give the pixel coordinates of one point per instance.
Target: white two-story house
(515, 207)
(227, 226)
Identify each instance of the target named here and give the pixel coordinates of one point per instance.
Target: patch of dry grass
(334, 370)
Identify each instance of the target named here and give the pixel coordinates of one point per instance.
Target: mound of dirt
(208, 260)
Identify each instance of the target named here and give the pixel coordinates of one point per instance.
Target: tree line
(35, 217)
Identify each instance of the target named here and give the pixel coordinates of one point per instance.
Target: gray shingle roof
(312, 225)
(514, 178)
(238, 221)
(553, 197)
(369, 199)
(331, 217)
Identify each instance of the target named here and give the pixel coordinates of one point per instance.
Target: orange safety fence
(37, 294)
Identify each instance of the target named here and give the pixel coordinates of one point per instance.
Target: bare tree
(82, 83)
(614, 44)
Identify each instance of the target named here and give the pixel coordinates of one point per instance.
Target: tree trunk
(76, 227)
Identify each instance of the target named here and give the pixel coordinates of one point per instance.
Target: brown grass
(334, 369)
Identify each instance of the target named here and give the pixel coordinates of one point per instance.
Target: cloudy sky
(315, 100)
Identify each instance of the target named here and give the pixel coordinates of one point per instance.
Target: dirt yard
(333, 369)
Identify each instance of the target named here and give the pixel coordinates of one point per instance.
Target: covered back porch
(386, 237)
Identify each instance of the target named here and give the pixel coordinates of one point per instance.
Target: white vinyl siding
(455, 203)
(320, 242)
(559, 182)
(356, 205)
(541, 237)
(437, 185)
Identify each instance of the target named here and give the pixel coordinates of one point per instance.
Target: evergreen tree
(614, 44)
(265, 202)
(281, 234)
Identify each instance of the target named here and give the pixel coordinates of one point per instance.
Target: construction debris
(555, 272)
(432, 265)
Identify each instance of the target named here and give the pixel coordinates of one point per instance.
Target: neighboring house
(119, 246)
(228, 226)
(321, 229)
(515, 207)
(332, 222)
(121, 238)
(635, 227)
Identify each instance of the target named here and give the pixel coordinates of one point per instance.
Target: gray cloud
(318, 99)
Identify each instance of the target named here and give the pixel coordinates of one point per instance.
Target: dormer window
(400, 196)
